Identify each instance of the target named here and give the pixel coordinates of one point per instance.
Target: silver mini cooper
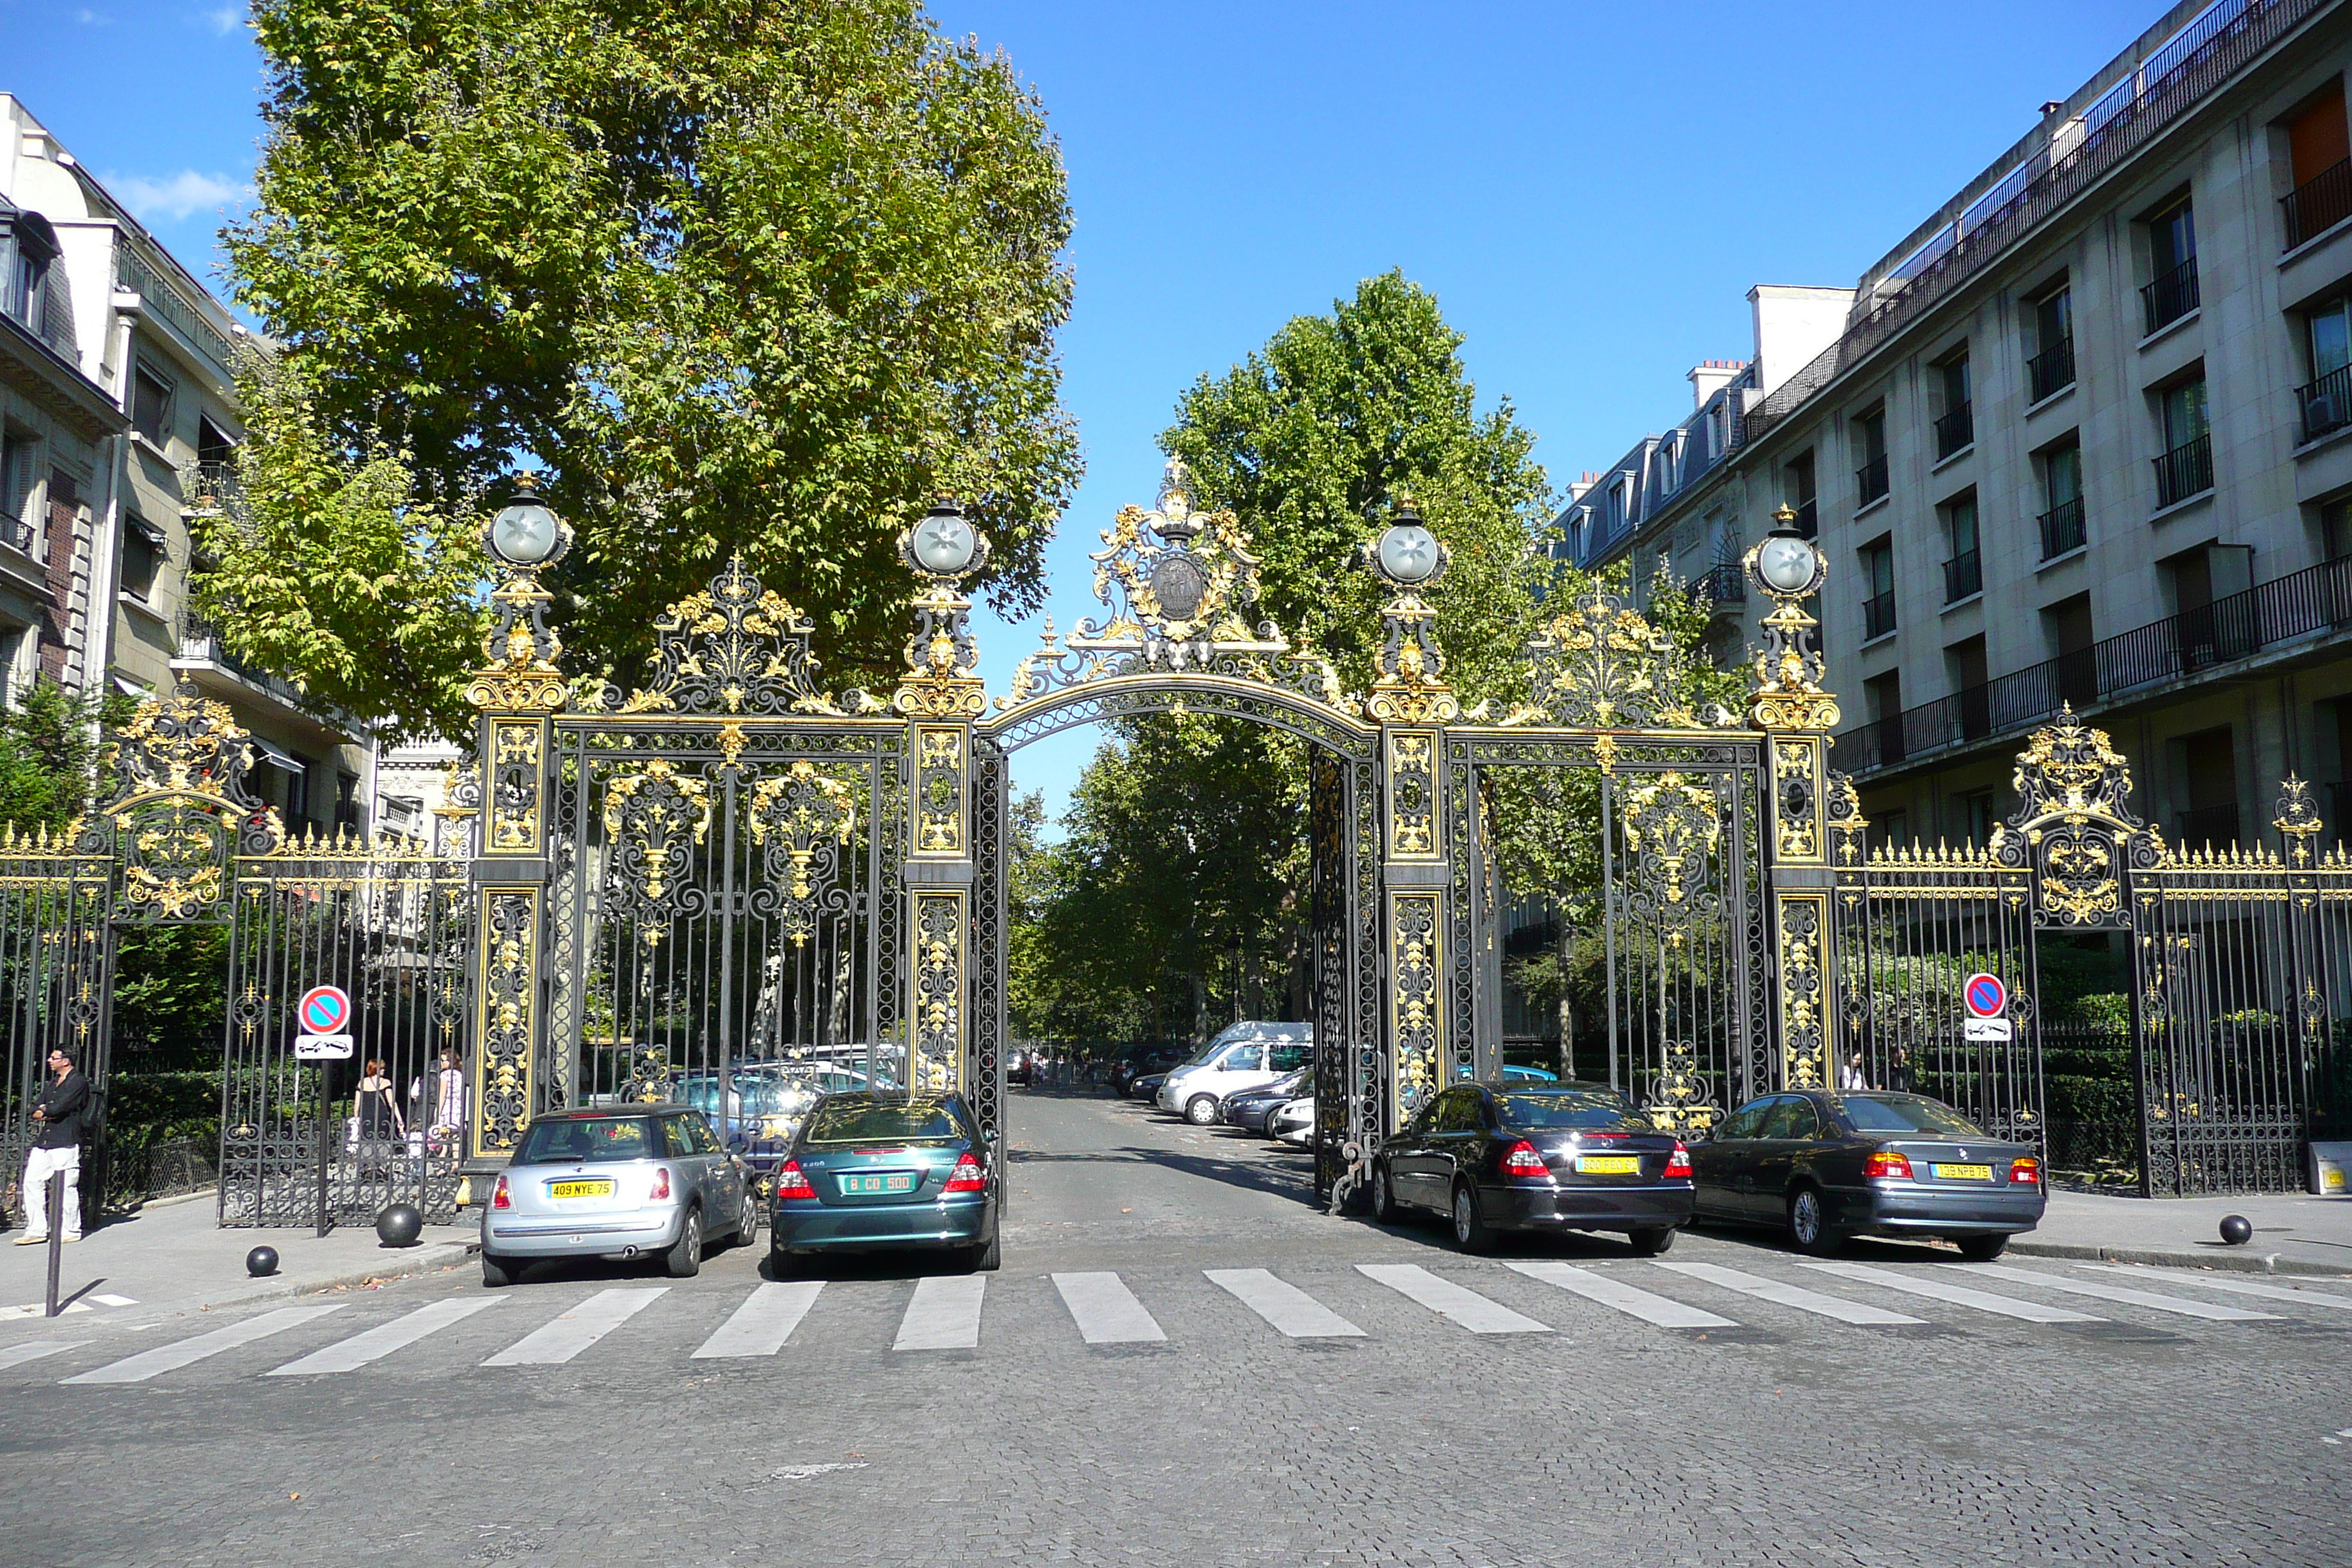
(621, 1181)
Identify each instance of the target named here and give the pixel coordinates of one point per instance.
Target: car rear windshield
(1578, 1110)
(884, 1121)
(587, 1138)
(1905, 1114)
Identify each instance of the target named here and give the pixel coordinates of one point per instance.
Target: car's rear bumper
(818, 1227)
(1922, 1211)
(1586, 1208)
(580, 1236)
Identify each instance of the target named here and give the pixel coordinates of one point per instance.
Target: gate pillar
(517, 692)
(1797, 717)
(939, 697)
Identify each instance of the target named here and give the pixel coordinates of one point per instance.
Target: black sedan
(1528, 1157)
(1827, 1166)
(1252, 1110)
(1127, 1074)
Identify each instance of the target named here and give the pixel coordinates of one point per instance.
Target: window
(2051, 367)
(2327, 401)
(1801, 495)
(2171, 291)
(1977, 817)
(1878, 589)
(142, 555)
(1965, 665)
(2317, 154)
(1882, 699)
(1964, 567)
(2209, 779)
(2064, 526)
(1956, 426)
(151, 405)
(2186, 466)
(347, 801)
(18, 457)
(1793, 1117)
(30, 247)
(1869, 448)
(2067, 624)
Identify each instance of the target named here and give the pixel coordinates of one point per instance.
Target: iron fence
(1955, 429)
(2169, 296)
(2051, 370)
(2318, 204)
(2327, 402)
(2063, 529)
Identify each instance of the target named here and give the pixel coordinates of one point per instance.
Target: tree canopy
(757, 279)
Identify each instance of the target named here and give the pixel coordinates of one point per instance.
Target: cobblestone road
(1182, 1364)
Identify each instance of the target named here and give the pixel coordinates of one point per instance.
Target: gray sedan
(617, 1182)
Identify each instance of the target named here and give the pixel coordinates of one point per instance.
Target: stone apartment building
(2084, 437)
(117, 421)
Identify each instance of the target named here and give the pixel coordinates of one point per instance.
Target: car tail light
(2026, 1171)
(661, 1183)
(1883, 1164)
(1678, 1162)
(967, 1177)
(792, 1181)
(1523, 1163)
(500, 1197)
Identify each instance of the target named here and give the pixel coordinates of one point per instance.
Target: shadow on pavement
(1296, 1182)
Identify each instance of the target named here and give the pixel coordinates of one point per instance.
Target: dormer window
(30, 249)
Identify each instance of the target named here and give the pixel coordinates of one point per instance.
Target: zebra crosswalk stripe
(1105, 1311)
(2235, 1287)
(375, 1344)
(763, 1322)
(554, 1343)
(185, 1353)
(1292, 1311)
(1796, 1295)
(944, 1314)
(1467, 1307)
(1937, 1289)
(2105, 1292)
(1633, 1301)
(34, 1350)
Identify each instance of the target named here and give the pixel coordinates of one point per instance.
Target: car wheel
(1384, 1204)
(684, 1261)
(1982, 1249)
(1470, 1232)
(989, 1255)
(498, 1272)
(1200, 1110)
(1650, 1243)
(746, 1230)
(783, 1263)
(1808, 1224)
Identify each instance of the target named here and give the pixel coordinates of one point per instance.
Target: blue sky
(1591, 190)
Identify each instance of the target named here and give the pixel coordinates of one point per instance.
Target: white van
(1243, 1056)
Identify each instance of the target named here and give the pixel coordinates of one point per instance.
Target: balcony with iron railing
(1870, 480)
(2326, 403)
(2051, 370)
(2170, 297)
(1877, 615)
(2206, 825)
(1955, 430)
(2064, 530)
(16, 534)
(2185, 470)
(2318, 204)
(2309, 605)
(1963, 576)
(1726, 583)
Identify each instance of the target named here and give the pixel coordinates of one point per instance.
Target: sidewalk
(170, 1257)
(2293, 1234)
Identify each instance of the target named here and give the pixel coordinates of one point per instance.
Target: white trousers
(39, 1165)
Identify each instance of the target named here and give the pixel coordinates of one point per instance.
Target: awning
(129, 687)
(143, 529)
(276, 758)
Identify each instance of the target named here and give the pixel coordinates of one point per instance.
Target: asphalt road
(1183, 1362)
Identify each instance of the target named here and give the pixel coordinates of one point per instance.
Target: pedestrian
(1852, 1077)
(1898, 1076)
(448, 1114)
(57, 1150)
(376, 1118)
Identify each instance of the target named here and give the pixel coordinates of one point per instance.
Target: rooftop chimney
(1710, 377)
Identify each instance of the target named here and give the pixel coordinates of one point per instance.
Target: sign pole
(57, 1207)
(326, 1122)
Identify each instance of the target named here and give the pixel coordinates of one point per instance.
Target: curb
(408, 1262)
(2165, 1257)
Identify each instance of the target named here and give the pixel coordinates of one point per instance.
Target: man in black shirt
(57, 1150)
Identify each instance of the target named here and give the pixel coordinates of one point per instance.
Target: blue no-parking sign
(1986, 996)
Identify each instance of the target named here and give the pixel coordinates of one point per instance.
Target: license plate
(902, 1182)
(1608, 1164)
(1961, 1173)
(579, 1189)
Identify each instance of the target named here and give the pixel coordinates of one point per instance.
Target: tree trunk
(1567, 998)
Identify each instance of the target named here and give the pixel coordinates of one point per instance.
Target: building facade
(117, 418)
(2085, 437)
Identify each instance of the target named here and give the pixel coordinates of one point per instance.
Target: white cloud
(90, 19)
(226, 20)
(178, 197)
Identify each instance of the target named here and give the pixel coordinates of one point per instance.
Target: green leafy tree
(742, 279)
(48, 753)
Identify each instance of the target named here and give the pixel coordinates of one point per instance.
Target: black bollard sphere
(261, 1261)
(2236, 1230)
(400, 1226)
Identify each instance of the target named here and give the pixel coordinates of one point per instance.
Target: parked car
(1147, 1088)
(1536, 1157)
(1242, 1056)
(1157, 1060)
(617, 1182)
(766, 1102)
(1252, 1110)
(1021, 1068)
(1294, 1123)
(883, 1171)
(1826, 1166)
